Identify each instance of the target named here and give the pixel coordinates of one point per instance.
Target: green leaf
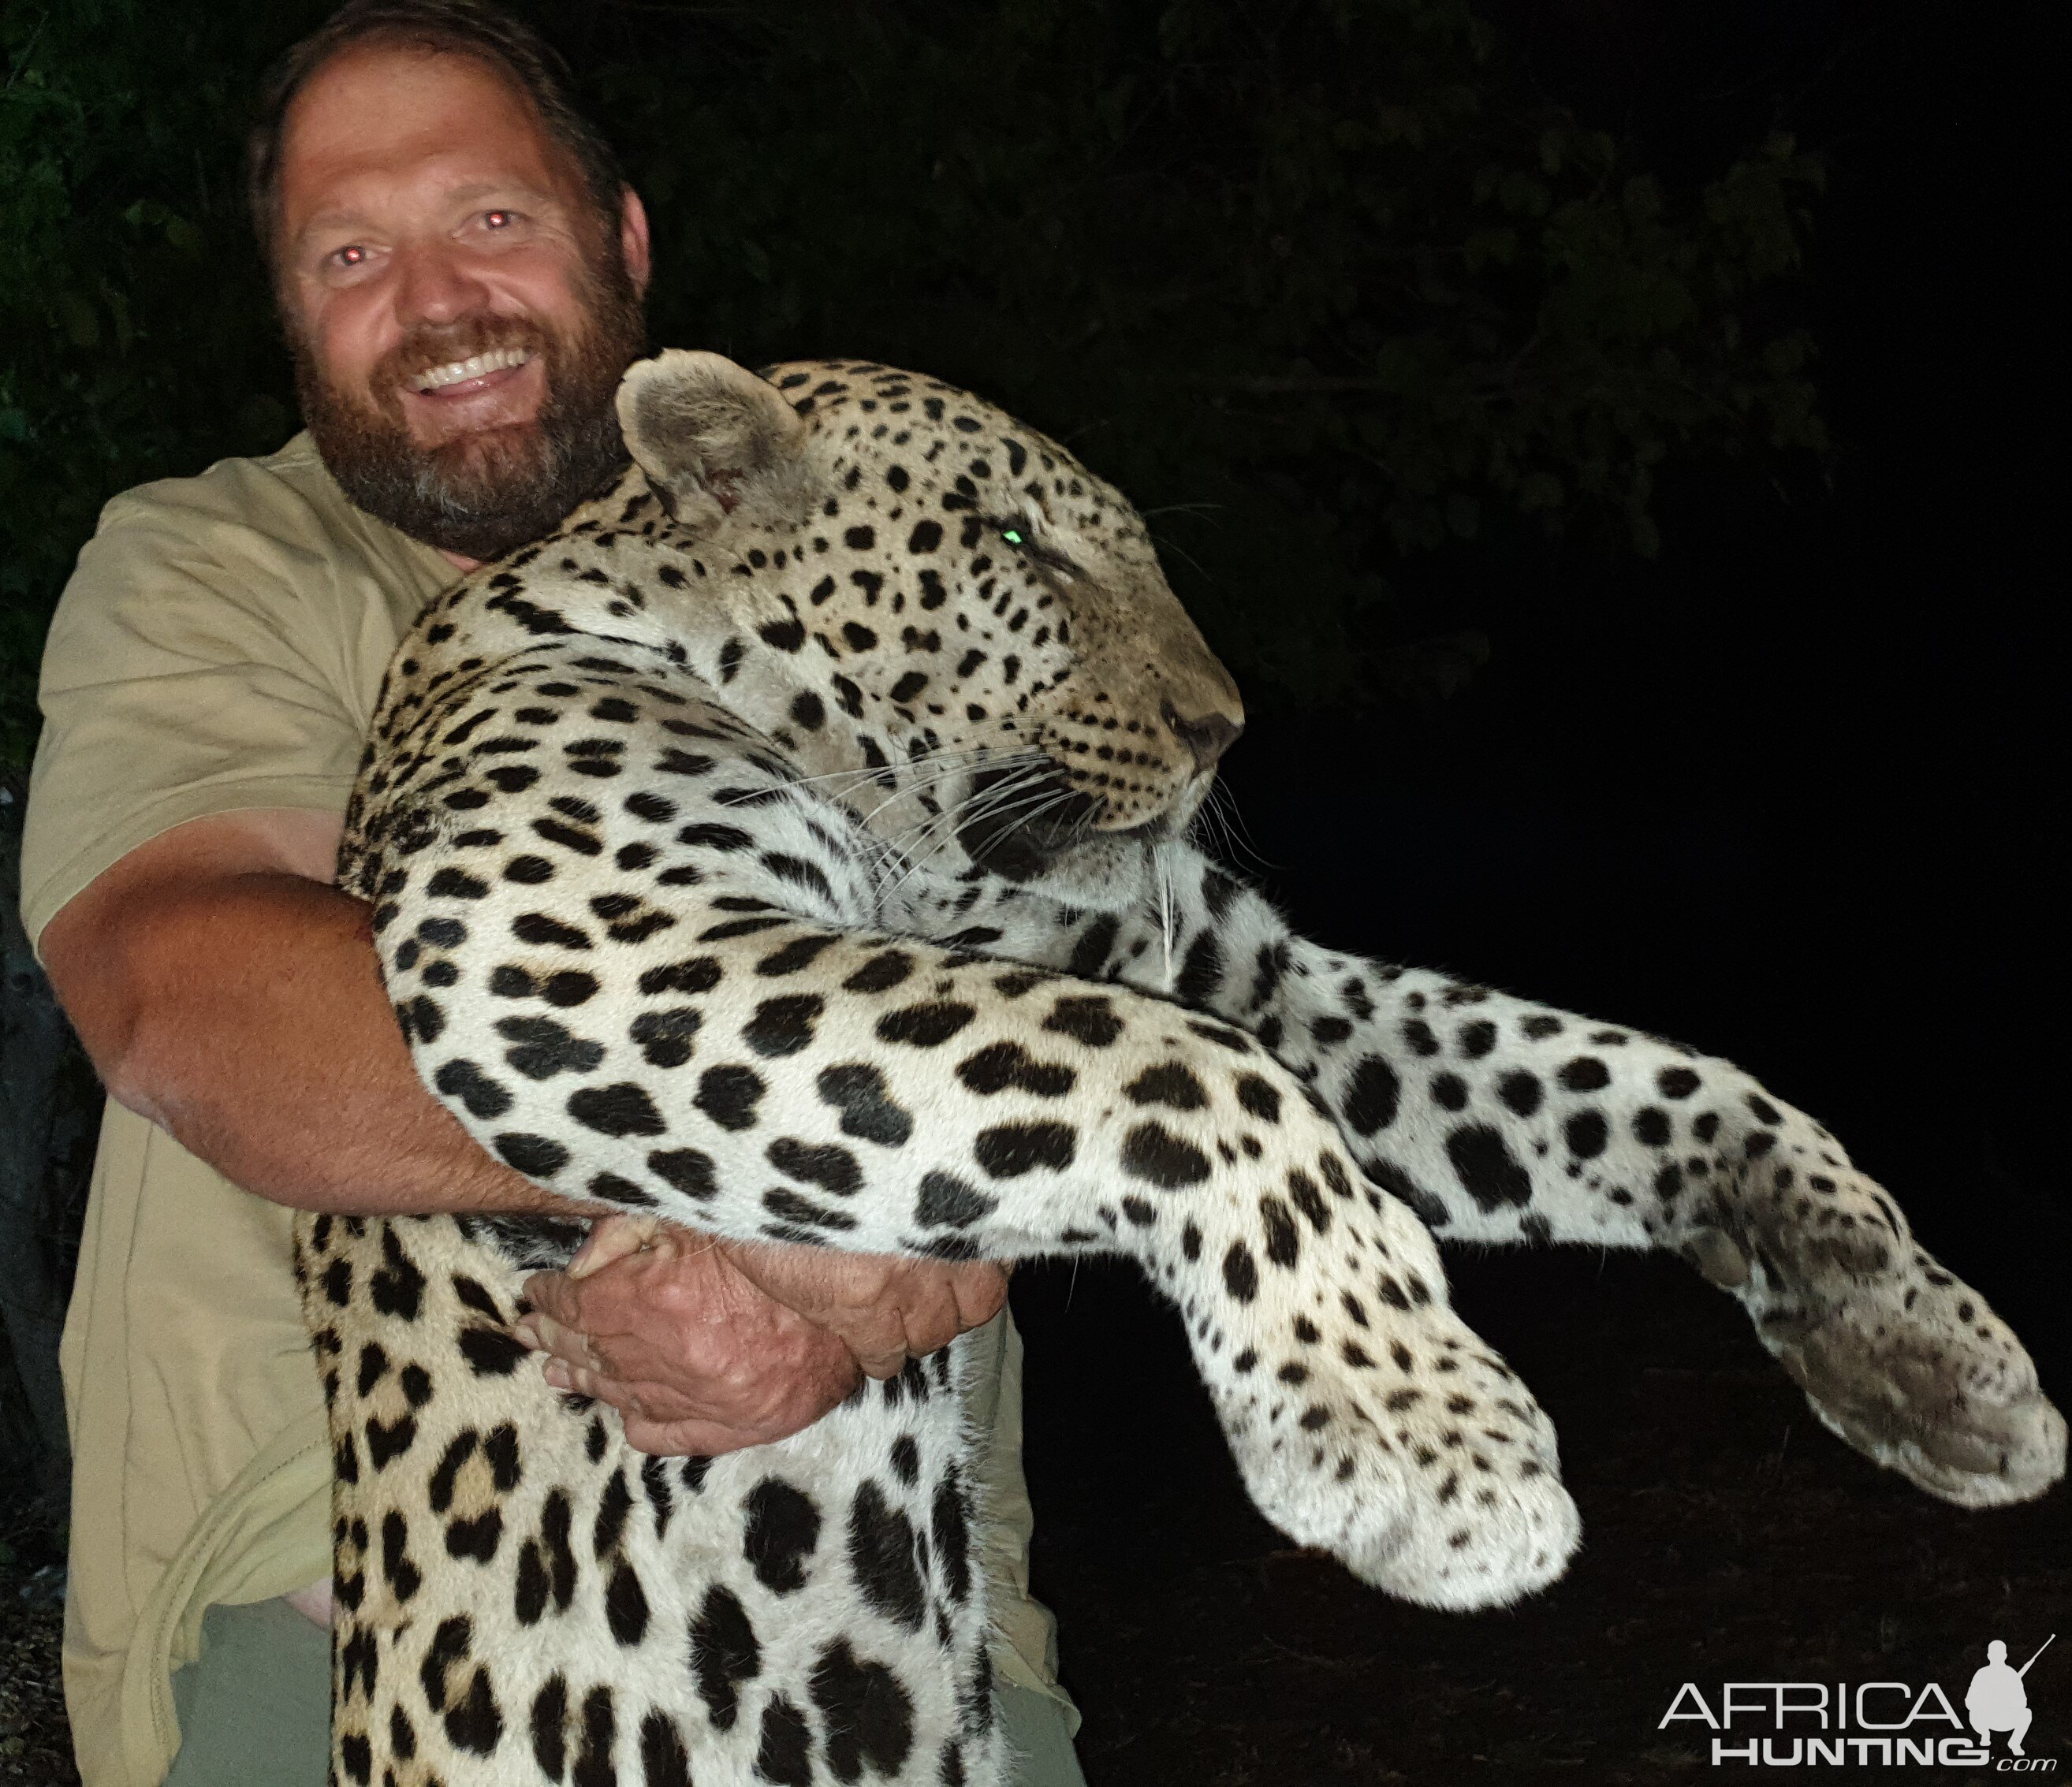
(76, 317)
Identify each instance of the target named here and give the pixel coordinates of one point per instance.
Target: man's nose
(435, 286)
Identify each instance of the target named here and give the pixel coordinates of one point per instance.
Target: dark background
(1780, 790)
(1785, 793)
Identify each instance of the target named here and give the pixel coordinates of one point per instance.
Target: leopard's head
(937, 610)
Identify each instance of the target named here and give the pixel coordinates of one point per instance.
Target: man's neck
(463, 565)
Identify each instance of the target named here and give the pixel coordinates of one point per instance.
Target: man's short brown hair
(452, 28)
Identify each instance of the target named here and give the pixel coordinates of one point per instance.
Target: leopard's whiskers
(1229, 817)
(906, 845)
(870, 772)
(1056, 799)
(937, 765)
(985, 801)
(992, 802)
(914, 790)
(1161, 863)
(1032, 759)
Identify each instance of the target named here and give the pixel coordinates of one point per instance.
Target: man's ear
(633, 247)
(712, 438)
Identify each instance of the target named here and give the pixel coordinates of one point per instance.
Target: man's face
(459, 314)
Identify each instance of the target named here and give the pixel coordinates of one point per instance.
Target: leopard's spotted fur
(793, 847)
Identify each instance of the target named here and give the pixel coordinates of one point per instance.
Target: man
(459, 268)
(1996, 1701)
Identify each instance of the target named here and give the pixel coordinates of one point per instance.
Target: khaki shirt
(220, 647)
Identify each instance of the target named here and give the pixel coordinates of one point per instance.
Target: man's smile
(487, 390)
(457, 378)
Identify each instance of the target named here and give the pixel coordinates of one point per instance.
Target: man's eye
(499, 219)
(351, 256)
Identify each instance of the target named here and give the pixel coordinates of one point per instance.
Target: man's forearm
(255, 1030)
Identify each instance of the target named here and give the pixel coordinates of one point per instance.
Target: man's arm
(225, 991)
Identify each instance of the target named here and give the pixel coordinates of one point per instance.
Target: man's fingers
(980, 1291)
(930, 1318)
(613, 1238)
(902, 1309)
(704, 1345)
(663, 1431)
(880, 1365)
(570, 1346)
(941, 1304)
(877, 1336)
(552, 1294)
(561, 1375)
(886, 1311)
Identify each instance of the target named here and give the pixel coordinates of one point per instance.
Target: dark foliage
(50, 1108)
(1323, 285)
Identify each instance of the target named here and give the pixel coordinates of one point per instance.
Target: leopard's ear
(712, 438)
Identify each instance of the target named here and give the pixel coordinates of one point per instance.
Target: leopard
(801, 845)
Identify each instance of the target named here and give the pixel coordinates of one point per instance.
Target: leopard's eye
(1017, 534)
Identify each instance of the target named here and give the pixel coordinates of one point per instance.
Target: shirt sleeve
(190, 671)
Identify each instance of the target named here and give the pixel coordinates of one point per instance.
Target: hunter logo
(1997, 1701)
(1885, 1724)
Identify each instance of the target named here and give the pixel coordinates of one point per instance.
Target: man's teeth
(456, 372)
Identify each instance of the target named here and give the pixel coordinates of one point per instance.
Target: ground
(35, 1748)
(1727, 1537)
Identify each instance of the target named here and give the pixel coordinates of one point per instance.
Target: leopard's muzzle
(1016, 824)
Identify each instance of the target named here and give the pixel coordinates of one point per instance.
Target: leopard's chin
(1108, 872)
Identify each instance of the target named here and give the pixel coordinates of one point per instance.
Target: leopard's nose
(1206, 738)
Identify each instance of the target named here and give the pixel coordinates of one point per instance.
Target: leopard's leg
(522, 1598)
(676, 1043)
(1497, 1120)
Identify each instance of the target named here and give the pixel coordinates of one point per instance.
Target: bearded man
(459, 268)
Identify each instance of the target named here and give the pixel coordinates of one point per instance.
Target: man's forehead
(378, 118)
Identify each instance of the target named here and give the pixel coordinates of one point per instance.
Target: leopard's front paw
(1918, 1374)
(1427, 1469)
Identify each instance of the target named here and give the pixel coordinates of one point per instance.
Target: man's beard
(484, 494)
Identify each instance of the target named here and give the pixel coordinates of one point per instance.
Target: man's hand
(886, 1310)
(706, 1347)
